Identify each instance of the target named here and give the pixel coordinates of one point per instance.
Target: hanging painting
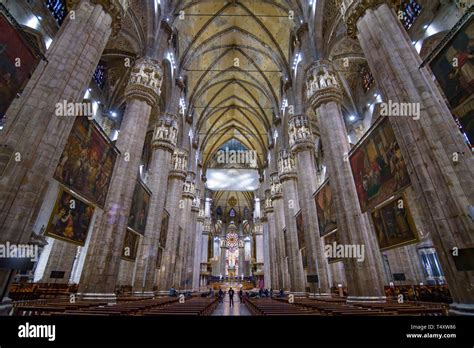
(70, 219)
(139, 208)
(130, 245)
(453, 67)
(87, 162)
(394, 224)
(378, 167)
(326, 210)
(329, 240)
(17, 63)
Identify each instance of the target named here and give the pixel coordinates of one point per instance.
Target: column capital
(322, 85)
(286, 165)
(189, 190)
(179, 164)
(115, 8)
(300, 133)
(352, 10)
(145, 81)
(276, 191)
(165, 133)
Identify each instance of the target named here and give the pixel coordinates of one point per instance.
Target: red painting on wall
(17, 63)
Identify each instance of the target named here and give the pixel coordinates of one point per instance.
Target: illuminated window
(99, 75)
(410, 10)
(57, 9)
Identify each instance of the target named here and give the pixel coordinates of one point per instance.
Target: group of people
(242, 295)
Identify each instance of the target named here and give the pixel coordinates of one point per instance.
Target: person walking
(221, 296)
(231, 297)
(241, 294)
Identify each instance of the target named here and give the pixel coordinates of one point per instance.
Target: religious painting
(70, 219)
(17, 63)
(378, 167)
(139, 208)
(130, 245)
(394, 224)
(326, 210)
(329, 240)
(453, 67)
(87, 162)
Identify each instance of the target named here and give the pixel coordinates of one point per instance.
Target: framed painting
(325, 209)
(378, 167)
(139, 208)
(17, 63)
(130, 245)
(394, 224)
(87, 162)
(70, 219)
(453, 67)
(330, 239)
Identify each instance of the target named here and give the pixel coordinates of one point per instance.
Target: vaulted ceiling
(234, 55)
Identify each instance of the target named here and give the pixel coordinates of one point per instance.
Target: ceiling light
(113, 114)
(425, 27)
(352, 118)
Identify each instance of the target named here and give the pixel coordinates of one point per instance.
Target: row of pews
(194, 306)
(337, 307)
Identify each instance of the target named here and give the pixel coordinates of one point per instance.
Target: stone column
(302, 145)
(282, 261)
(266, 254)
(34, 136)
(287, 175)
(186, 241)
(104, 253)
(222, 259)
(272, 251)
(365, 281)
(163, 144)
(199, 214)
(443, 188)
(177, 175)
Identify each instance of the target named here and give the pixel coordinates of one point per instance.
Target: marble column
(104, 254)
(287, 175)
(443, 187)
(163, 144)
(266, 254)
(177, 176)
(282, 260)
(365, 279)
(34, 136)
(222, 259)
(198, 215)
(273, 255)
(302, 145)
(186, 240)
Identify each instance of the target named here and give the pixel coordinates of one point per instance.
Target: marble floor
(236, 310)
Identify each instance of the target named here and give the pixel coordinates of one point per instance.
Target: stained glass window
(99, 75)
(410, 10)
(57, 9)
(232, 241)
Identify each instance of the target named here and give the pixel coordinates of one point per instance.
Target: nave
(316, 154)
